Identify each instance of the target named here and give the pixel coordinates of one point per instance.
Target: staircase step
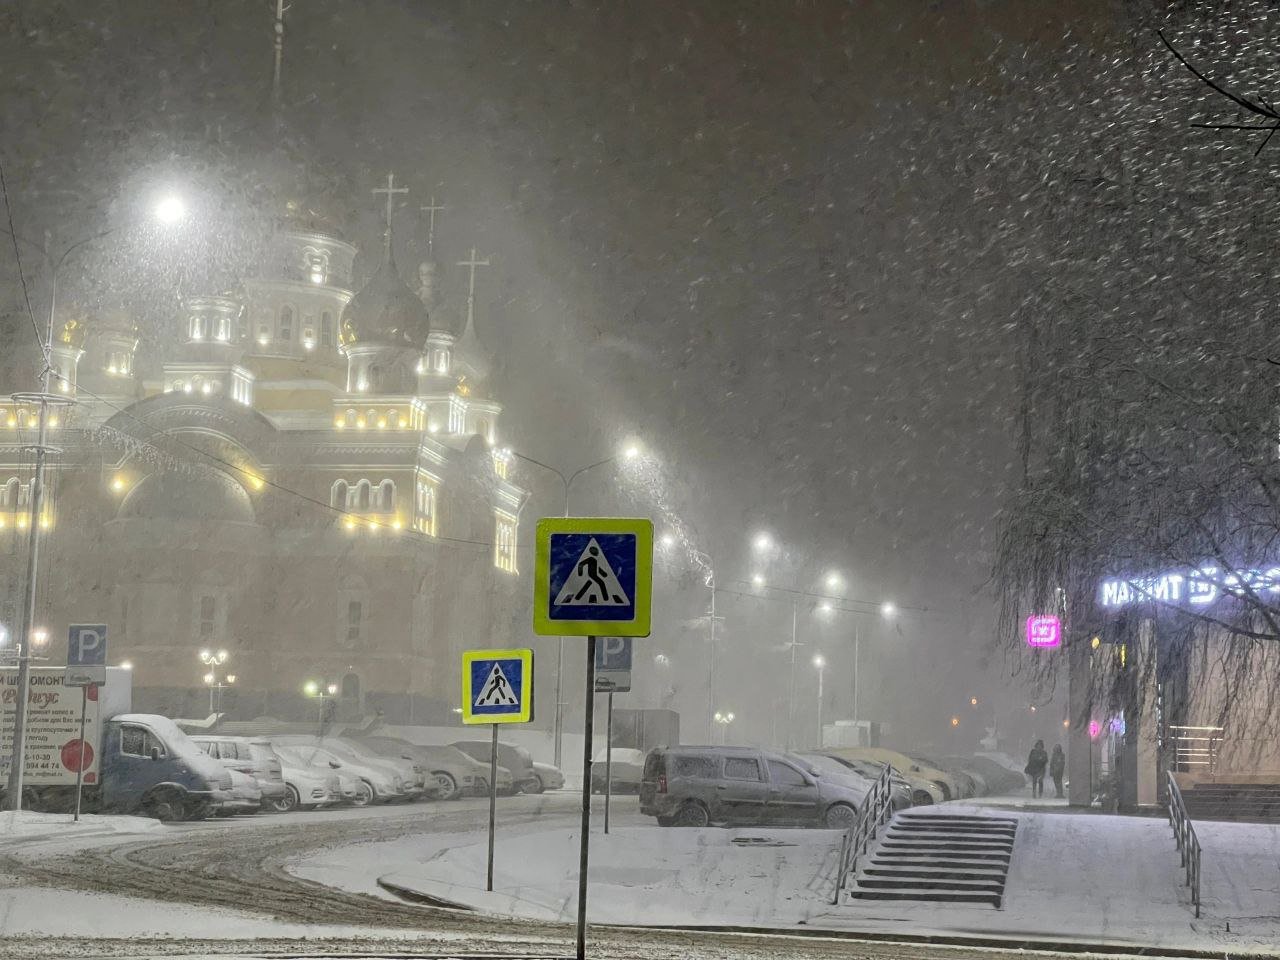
(915, 883)
(943, 856)
(928, 896)
(898, 843)
(949, 836)
(876, 870)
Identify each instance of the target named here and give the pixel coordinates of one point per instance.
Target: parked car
(252, 757)
(450, 772)
(968, 783)
(907, 766)
(374, 783)
(516, 759)
(546, 777)
(999, 779)
(246, 796)
(412, 776)
(696, 786)
(899, 793)
(904, 794)
(626, 774)
(394, 775)
(308, 787)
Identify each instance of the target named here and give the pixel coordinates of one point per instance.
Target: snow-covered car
(246, 795)
(374, 783)
(546, 777)
(870, 772)
(626, 770)
(253, 757)
(308, 787)
(450, 773)
(516, 759)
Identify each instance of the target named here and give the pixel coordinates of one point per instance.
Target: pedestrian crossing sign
(593, 576)
(497, 686)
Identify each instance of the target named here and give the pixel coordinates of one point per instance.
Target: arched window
(11, 493)
(363, 494)
(351, 687)
(286, 323)
(338, 495)
(351, 417)
(326, 329)
(386, 496)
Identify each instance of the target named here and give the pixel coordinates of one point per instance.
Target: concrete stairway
(1259, 802)
(938, 858)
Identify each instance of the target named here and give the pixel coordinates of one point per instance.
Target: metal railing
(877, 808)
(1184, 833)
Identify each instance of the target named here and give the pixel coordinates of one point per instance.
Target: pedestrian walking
(1057, 768)
(1037, 760)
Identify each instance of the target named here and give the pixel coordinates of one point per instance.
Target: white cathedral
(307, 476)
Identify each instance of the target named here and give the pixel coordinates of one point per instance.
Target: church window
(286, 323)
(308, 337)
(386, 496)
(355, 620)
(224, 329)
(482, 428)
(351, 687)
(425, 521)
(363, 494)
(338, 495)
(504, 542)
(10, 494)
(457, 415)
(208, 617)
(197, 327)
(351, 417)
(326, 329)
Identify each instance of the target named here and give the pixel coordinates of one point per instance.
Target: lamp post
(723, 720)
(820, 662)
(320, 692)
(214, 660)
(630, 452)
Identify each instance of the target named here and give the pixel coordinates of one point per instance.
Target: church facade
(307, 475)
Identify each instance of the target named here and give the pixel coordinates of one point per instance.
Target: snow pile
(28, 824)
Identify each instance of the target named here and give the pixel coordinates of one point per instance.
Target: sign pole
(84, 704)
(493, 800)
(586, 797)
(608, 760)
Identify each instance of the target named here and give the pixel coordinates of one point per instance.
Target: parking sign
(86, 654)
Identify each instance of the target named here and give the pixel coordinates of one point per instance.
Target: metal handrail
(877, 807)
(1184, 834)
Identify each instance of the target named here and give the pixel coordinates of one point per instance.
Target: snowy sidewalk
(28, 825)
(1074, 877)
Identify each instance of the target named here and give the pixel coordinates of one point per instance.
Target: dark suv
(696, 786)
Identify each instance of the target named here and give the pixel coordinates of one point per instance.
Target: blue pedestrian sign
(86, 654)
(497, 686)
(593, 576)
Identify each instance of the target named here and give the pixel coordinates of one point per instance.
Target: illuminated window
(326, 329)
(364, 492)
(425, 519)
(286, 323)
(457, 415)
(386, 496)
(504, 542)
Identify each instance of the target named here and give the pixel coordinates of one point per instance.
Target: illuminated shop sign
(1044, 631)
(1194, 587)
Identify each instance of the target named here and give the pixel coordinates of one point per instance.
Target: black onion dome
(386, 311)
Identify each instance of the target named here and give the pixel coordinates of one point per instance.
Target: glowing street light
(631, 451)
(170, 209)
(668, 541)
(320, 692)
(757, 579)
(955, 721)
(824, 607)
(213, 660)
(723, 719)
(888, 610)
(762, 543)
(834, 581)
(973, 701)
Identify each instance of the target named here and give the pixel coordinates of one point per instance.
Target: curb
(1032, 944)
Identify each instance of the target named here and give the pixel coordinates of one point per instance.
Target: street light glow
(126, 664)
(973, 701)
(819, 661)
(834, 581)
(631, 451)
(825, 607)
(332, 688)
(757, 579)
(170, 209)
(762, 542)
(311, 688)
(668, 541)
(887, 609)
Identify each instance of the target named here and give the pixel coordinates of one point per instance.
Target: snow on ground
(1082, 877)
(27, 824)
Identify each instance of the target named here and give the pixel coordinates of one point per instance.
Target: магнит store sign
(1193, 587)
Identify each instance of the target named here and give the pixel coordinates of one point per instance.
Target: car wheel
(691, 814)
(365, 794)
(168, 807)
(290, 800)
(534, 786)
(921, 798)
(840, 816)
(447, 786)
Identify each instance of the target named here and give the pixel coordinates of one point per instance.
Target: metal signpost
(86, 667)
(592, 576)
(613, 675)
(497, 687)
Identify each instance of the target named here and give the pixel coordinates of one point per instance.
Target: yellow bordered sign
(593, 576)
(497, 686)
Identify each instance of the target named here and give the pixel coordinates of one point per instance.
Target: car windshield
(594, 442)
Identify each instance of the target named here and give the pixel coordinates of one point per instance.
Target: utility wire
(17, 256)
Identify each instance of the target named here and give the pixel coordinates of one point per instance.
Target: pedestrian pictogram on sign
(593, 576)
(497, 686)
(496, 690)
(592, 581)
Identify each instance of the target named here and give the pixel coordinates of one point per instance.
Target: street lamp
(320, 692)
(762, 543)
(213, 660)
(888, 610)
(46, 401)
(170, 209)
(757, 579)
(631, 451)
(820, 662)
(668, 541)
(834, 581)
(723, 719)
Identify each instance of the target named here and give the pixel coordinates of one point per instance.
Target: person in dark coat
(1057, 768)
(1037, 760)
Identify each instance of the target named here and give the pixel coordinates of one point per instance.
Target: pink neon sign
(1095, 728)
(1044, 630)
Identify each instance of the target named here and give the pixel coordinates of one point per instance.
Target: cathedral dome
(207, 496)
(386, 311)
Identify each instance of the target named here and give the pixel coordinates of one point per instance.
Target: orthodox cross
(472, 262)
(432, 209)
(390, 190)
